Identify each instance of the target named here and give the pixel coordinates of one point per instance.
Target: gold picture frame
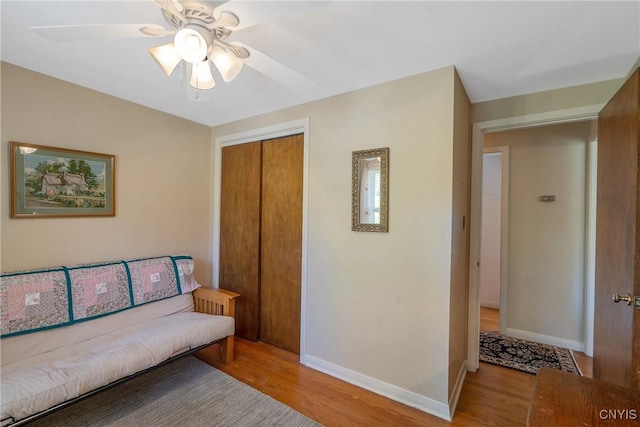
(58, 182)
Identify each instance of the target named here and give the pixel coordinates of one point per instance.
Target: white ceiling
(500, 49)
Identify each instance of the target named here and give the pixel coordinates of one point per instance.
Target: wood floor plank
(492, 396)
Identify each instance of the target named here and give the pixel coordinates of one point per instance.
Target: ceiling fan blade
(75, 33)
(276, 70)
(156, 31)
(257, 12)
(173, 6)
(237, 51)
(226, 19)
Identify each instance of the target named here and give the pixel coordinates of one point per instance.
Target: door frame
(479, 129)
(259, 134)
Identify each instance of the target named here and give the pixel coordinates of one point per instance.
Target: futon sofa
(68, 332)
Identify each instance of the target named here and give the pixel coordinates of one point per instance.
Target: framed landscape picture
(58, 182)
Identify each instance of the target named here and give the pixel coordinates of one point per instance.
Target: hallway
(490, 322)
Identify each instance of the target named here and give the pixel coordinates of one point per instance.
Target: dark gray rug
(185, 392)
(523, 355)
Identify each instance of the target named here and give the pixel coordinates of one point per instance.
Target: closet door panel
(281, 242)
(240, 233)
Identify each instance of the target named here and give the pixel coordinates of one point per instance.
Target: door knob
(628, 298)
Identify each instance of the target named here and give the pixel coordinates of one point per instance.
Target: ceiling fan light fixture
(197, 38)
(166, 56)
(190, 45)
(228, 65)
(201, 77)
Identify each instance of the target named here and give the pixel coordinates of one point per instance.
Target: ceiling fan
(200, 30)
(198, 38)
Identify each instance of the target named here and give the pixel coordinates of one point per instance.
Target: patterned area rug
(523, 355)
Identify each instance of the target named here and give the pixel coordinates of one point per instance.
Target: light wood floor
(492, 396)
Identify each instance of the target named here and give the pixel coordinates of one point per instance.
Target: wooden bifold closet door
(240, 232)
(261, 237)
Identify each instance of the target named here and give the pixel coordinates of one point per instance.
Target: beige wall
(377, 302)
(459, 295)
(541, 102)
(546, 245)
(163, 176)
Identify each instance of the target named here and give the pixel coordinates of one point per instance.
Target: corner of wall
(457, 389)
(458, 295)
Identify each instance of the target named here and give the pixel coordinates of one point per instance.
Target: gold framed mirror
(370, 190)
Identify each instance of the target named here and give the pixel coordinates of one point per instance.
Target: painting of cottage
(53, 181)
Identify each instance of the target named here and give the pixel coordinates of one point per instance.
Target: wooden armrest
(215, 301)
(220, 302)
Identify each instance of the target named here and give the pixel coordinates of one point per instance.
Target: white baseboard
(457, 389)
(418, 401)
(545, 339)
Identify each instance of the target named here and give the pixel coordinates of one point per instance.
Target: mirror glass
(370, 190)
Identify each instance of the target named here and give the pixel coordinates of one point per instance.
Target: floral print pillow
(186, 278)
(31, 301)
(99, 289)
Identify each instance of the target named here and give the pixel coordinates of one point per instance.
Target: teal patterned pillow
(33, 300)
(99, 289)
(152, 279)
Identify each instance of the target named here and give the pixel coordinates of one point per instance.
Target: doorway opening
(541, 237)
(494, 229)
(480, 130)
